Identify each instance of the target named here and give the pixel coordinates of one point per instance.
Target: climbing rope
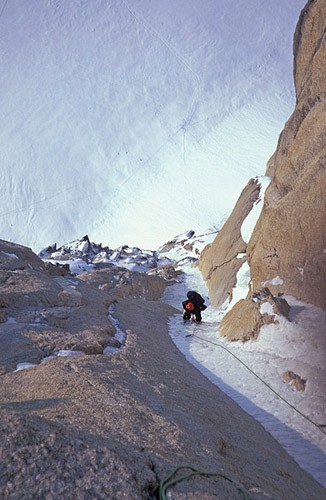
(319, 426)
(171, 480)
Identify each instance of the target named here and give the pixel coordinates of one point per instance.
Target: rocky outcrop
(247, 316)
(84, 255)
(45, 310)
(287, 248)
(289, 239)
(220, 261)
(295, 381)
(122, 283)
(43, 313)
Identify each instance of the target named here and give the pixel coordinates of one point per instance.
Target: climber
(193, 306)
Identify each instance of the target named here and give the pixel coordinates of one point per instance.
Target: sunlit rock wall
(288, 243)
(289, 239)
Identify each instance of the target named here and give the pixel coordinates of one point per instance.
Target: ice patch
(10, 320)
(24, 366)
(111, 350)
(301, 270)
(11, 255)
(275, 281)
(67, 353)
(47, 358)
(267, 308)
(241, 289)
(119, 334)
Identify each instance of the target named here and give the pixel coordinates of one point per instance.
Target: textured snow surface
(298, 346)
(132, 120)
(251, 372)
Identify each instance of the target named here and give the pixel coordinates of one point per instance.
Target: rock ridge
(287, 247)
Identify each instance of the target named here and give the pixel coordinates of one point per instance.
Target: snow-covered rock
(82, 255)
(187, 247)
(243, 319)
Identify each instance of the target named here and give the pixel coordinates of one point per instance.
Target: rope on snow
(319, 426)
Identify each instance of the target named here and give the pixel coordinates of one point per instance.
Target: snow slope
(298, 346)
(251, 373)
(119, 118)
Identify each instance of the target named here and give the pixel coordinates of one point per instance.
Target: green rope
(170, 480)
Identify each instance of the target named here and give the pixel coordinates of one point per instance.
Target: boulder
(167, 272)
(295, 381)
(243, 322)
(70, 298)
(57, 269)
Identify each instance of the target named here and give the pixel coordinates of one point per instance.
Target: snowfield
(133, 120)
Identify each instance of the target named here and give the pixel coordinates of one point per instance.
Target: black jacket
(196, 299)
